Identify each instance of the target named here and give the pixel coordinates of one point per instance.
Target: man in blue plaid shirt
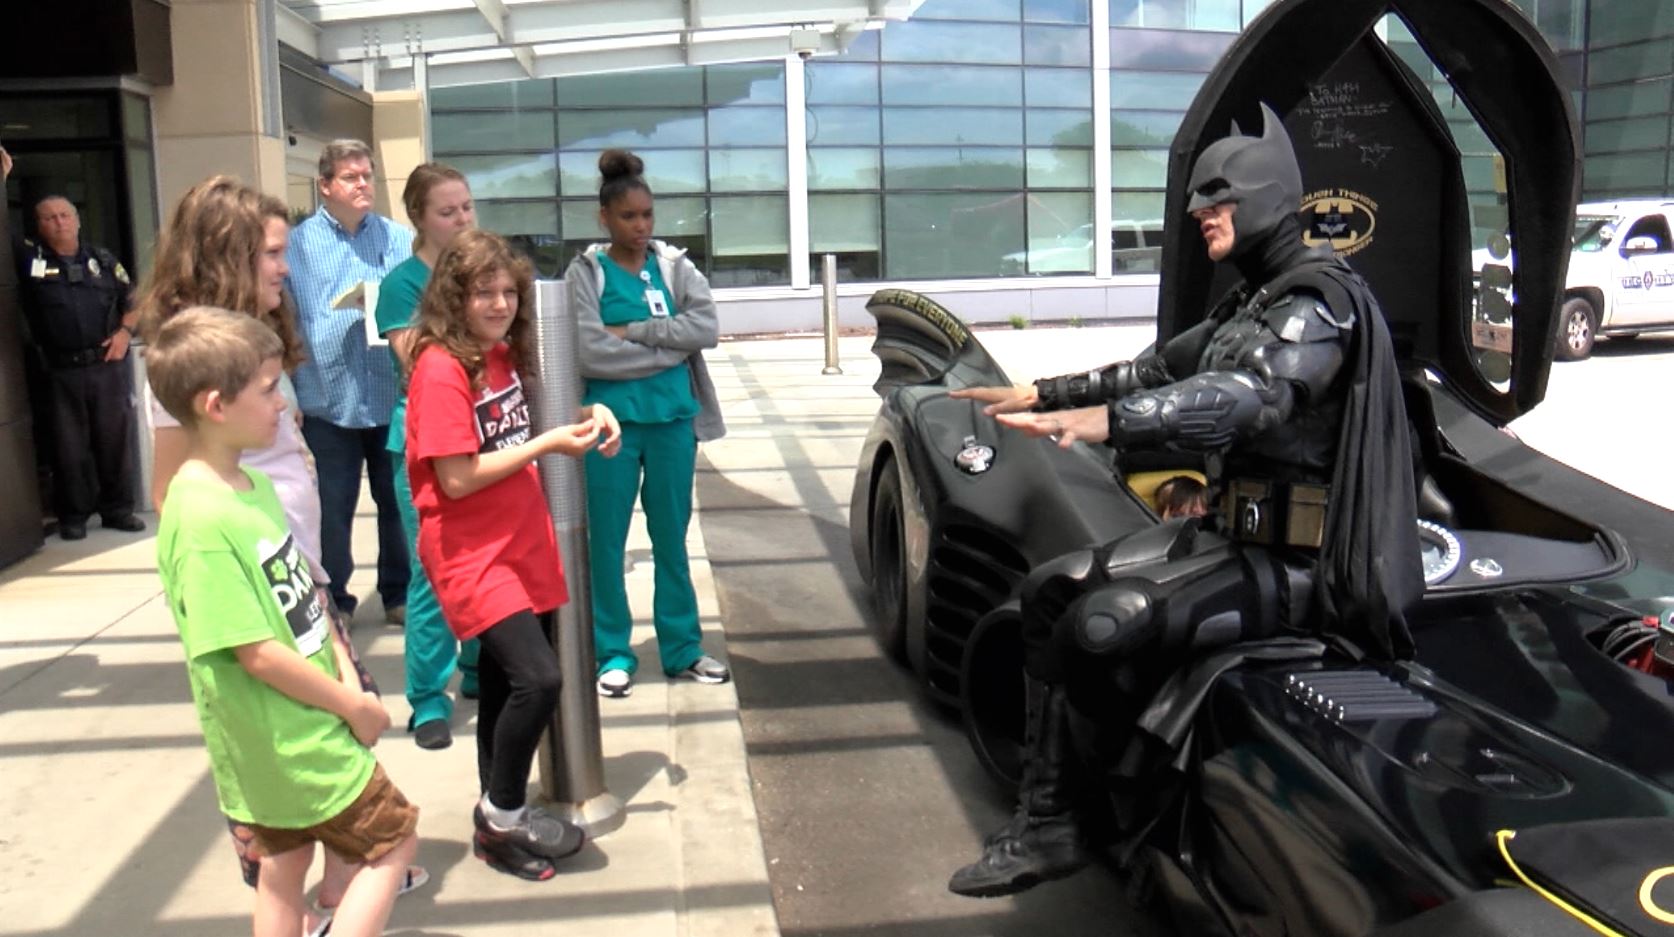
(346, 389)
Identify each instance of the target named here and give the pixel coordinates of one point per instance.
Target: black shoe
(540, 833)
(1012, 864)
(467, 690)
(504, 857)
(127, 523)
(433, 734)
(72, 530)
(346, 604)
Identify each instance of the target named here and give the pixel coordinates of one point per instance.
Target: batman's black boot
(1043, 840)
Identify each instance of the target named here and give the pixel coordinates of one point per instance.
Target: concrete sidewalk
(108, 820)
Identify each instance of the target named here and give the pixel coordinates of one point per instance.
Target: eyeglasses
(354, 178)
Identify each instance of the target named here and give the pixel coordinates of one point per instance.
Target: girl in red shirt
(484, 534)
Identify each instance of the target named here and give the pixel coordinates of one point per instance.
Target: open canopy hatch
(1383, 174)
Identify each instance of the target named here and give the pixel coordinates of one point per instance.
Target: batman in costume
(1288, 392)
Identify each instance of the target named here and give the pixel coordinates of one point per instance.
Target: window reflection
(829, 126)
(1057, 45)
(1163, 91)
(967, 125)
(510, 175)
(1060, 230)
(532, 228)
(1057, 11)
(473, 131)
(1005, 10)
(840, 83)
(1223, 15)
(750, 240)
(848, 226)
(929, 235)
(952, 84)
(1144, 128)
(1164, 49)
(635, 128)
(1059, 169)
(746, 126)
(977, 43)
(953, 168)
(747, 170)
(745, 84)
(1057, 87)
(1065, 128)
(844, 168)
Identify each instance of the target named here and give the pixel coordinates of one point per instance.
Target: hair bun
(614, 164)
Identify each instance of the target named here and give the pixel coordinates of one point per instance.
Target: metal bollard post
(828, 282)
(571, 756)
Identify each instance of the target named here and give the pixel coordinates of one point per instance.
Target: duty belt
(1275, 513)
(75, 359)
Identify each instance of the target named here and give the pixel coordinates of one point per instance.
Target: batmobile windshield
(1383, 131)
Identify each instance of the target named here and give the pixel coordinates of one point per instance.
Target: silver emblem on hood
(975, 458)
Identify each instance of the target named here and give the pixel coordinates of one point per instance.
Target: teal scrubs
(430, 651)
(655, 466)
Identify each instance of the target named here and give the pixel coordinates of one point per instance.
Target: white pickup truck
(1621, 274)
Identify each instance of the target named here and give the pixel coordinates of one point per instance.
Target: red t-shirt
(490, 554)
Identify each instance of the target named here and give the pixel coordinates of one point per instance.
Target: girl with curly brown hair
(484, 535)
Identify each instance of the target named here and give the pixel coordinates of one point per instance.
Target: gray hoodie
(655, 344)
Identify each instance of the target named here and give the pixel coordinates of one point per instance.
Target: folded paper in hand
(362, 295)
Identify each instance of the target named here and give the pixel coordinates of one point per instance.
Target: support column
(216, 117)
(796, 140)
(1101, 140)
(400, 138)
(399, 145)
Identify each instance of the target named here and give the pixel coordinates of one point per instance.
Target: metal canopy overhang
(472, 41)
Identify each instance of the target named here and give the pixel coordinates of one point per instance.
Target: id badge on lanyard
(654, 297)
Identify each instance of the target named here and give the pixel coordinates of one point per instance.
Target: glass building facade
(976, 140)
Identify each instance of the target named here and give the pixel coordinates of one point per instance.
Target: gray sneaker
(705, 669)
(539, 833)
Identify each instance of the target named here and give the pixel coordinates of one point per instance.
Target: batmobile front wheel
(889, 564)
(992, 694)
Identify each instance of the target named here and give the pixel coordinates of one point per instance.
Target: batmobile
(1330, 796)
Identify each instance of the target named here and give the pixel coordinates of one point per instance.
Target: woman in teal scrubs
(645, 316)
(438, 203)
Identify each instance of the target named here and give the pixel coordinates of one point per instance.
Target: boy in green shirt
(284, 718)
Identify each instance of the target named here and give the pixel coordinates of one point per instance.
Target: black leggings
(518, 684)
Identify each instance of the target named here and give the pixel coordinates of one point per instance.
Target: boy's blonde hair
(205, 348)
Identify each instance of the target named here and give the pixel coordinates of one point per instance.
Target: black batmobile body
(1329, 796)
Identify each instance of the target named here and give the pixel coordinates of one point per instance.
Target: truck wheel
(889, 564)
(1577, 327)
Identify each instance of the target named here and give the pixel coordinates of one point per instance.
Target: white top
(291, 466)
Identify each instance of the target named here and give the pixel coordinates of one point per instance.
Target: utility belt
(74, 359)
(1275, 513)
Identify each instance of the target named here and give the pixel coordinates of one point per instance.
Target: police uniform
(73, 305)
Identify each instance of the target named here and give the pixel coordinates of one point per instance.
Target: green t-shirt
(233, 576)
(659, 398)
(398, 300)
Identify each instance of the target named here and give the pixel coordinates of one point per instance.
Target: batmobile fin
(920, 342)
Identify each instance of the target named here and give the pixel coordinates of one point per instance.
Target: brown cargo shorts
(378, 820)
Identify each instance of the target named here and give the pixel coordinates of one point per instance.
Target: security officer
(76, 300)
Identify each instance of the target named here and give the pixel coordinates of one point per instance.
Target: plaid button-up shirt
(343, 381)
